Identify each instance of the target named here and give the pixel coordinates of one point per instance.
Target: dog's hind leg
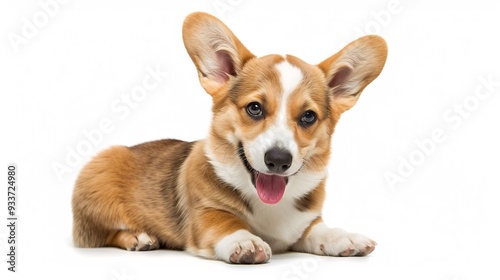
(87, 234)
(132, 241)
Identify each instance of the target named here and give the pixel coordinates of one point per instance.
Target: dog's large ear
(350, 70)
(214, 49)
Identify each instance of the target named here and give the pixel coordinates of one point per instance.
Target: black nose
(278, 160)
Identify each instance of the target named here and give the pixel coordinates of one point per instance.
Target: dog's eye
(255, 110)
(308, 118)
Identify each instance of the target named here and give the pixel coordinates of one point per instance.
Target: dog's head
(273, 116)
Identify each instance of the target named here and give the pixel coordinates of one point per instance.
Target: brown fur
(134, 187)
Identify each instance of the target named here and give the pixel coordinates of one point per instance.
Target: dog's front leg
(221, 235)
(321, 240)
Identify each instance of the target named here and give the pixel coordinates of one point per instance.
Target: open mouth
(270, 187)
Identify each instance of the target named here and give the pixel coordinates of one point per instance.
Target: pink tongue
(270, 188)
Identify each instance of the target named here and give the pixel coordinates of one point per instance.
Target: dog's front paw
(344, 244)
(242, 247)
(335, 242)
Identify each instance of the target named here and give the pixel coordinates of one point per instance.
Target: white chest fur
(282, 224)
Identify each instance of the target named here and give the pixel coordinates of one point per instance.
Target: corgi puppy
(256, 185)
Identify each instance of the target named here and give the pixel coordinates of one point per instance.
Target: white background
(440, 221)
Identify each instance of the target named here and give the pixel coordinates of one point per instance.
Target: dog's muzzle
(270, 187)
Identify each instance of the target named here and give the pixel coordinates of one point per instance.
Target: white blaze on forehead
(290, 77)
(279, 134)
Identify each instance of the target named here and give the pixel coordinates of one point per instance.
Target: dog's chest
(280, 225)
